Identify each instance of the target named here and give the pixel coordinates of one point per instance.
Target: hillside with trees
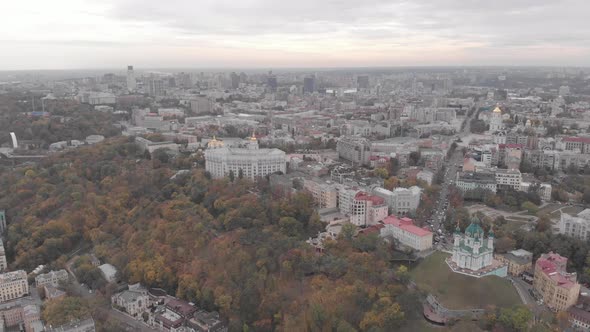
(223, 245)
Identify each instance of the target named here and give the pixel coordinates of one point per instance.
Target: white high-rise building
(3, 263)
(248, 158)
(131, 83)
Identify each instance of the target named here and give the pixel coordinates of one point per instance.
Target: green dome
(474, 229)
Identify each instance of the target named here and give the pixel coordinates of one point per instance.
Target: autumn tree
(61, 311)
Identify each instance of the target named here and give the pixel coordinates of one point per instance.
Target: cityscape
(258, 167)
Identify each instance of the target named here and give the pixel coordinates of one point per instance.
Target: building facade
(249, 160)
(131, 83)
(576, 227)
(13, 285)
(355, 149)
(133, 301)
(518, 261)
(408, 234)
(51, 278)
(508, 179)
(400, 201)
(367, 209)
(3, 262)
(324, 194)
(473, 181)
(558, 288)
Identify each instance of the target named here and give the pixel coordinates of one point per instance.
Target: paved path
(522, 290)
(129, 323)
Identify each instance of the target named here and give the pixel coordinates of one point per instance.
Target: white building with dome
(496, 121)
(473, 253)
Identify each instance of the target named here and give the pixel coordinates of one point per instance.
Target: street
(451, 166)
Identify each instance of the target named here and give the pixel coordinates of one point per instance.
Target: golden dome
(497, 110)
(214, 143)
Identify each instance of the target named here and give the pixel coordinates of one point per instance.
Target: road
(523, 290)
(128, 323)
(451, 169)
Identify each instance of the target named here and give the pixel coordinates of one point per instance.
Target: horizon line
(124, 67)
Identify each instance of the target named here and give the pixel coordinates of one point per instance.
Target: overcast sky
(56, 34)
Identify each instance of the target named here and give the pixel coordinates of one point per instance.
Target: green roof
(483, 248)
(474, 230)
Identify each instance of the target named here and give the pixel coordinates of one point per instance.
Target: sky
(71, 34)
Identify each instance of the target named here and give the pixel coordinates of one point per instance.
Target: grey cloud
(500, 23)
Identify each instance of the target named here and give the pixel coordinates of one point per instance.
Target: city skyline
(67, 34)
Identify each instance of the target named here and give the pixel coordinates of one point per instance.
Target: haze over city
(67, 34)
(279, 166)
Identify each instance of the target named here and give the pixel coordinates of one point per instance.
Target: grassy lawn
(549, 208)
(573, 210)
(457, 291)
(513, 225)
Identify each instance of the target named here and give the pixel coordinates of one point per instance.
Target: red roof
(406, 224)
(553, 265)
(363, 196)
(585, 140)
(371, 229)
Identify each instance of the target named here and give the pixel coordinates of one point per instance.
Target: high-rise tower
(131, 84)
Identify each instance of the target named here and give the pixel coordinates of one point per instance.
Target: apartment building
(472, 181)
(518, 261)
(400, 201)
(408, 234)
(3, 262)
(367, 209)
(13, 285)
(576, 227)
(355, 149)
(508, 179)
(324, 194)
(346, 197)
(576, 144)
(558, 288)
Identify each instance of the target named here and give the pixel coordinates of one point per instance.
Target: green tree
(402, 274)
(381, 172)
(348, 231)
(515, 319)
(291, 226)
(61, 311)
(530, 207)
(232, 176)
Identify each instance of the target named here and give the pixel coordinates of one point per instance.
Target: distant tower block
(131, 83)
(14, 141)
(2, 221)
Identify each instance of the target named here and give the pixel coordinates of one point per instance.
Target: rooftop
(585, 140)
(553, 265)
(363, 196)
(407, 225)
